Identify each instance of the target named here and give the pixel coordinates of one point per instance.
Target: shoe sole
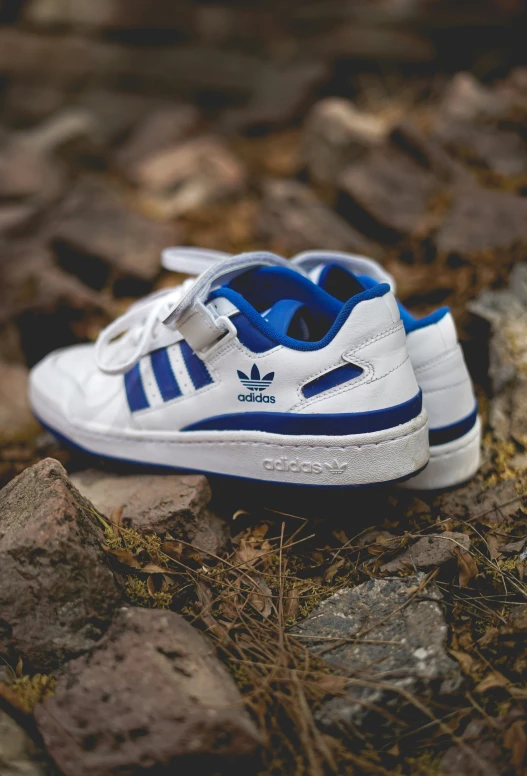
(450, 464)
(321, 461)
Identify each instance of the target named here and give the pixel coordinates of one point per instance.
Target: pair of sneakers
(306, 372)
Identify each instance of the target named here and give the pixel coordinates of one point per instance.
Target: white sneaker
(435, 353)
(174, 382)
(439, 366)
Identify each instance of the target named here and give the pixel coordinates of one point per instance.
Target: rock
(119, 14)
(16, 218)
(482, 220)
(293, 220)
(161, 129)
(18, 754)
(390, 191)
(492, 505)
(502, 151)
(95, 234)
(506, 311)
(187, 176)
(151, 696)
(41, 297)
(26, 172)
(58, 595)
(418, 662)
(467, 100)
(336, 133)
(278, 96)
(433, 550)
(427, 152)
(17, 423)
(158, 503)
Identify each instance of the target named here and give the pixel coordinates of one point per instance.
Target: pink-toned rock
(58, 594)
(151, 697)
(158, 503)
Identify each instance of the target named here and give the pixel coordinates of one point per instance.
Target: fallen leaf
(291, 603)
(515, 740)
(330, 573)
(172, 549)
(261, 601)
(467, 567)
(333, 685)
(117, 516)
(465, 661)
(125, 556)
(491, 681)
(153, 568)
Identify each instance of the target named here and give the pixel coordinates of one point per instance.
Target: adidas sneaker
(435, 354)
(438, 362)
(252, 371)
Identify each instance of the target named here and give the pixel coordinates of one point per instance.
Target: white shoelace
(143, 323)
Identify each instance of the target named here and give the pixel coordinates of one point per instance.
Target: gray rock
(58, 594)
(417, 662)
(428, 551)
(152, 696)
(158, 503)
(18, 754)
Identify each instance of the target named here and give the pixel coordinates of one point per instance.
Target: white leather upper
(441, 372)
(372, 338)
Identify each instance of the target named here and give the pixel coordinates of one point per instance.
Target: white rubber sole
(334, 461)
(450, 464)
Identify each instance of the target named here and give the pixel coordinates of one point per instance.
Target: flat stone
(428, 551)
(162, 128)
(190, 175)
(482, 220)
(466, 99)
(506, 311)
(391, 190)
(417, 662)
(293, 219)
(17, 423)
(19, 756)
(151, 697)
(158, 503)
(95, 225)
(502, 151)
(58, 594)
(491, 505)
(336, 133)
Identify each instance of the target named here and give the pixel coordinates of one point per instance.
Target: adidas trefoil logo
(255, 382)
(335, 467)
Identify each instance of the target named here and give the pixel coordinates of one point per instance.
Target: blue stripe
(322, 424)
(135, 393)
(199, 374)
(339, 376)
(164, 374)
(440, 436)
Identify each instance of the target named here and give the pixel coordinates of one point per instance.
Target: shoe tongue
(339, 282)
(292, 318)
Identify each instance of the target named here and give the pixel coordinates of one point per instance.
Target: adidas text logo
(336, 468)
(295, 465)
(256, 384)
